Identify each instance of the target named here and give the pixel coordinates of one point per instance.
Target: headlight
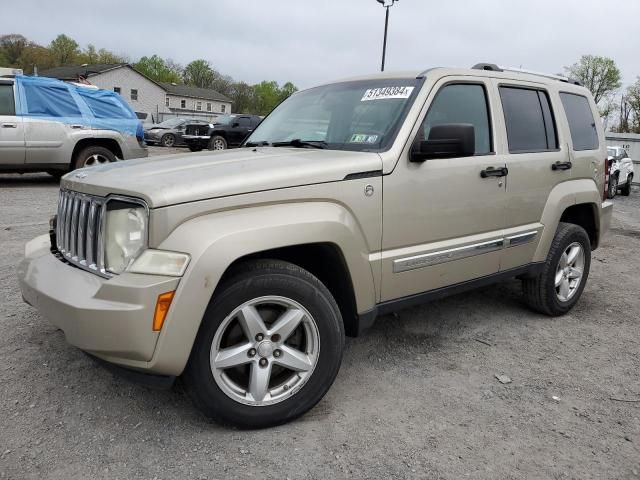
(125, 234)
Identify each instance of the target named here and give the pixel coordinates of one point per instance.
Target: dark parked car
(227, 131)
(170, 132)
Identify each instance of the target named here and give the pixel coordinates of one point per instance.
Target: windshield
(362, 116)
(172, 122)
(224, 119)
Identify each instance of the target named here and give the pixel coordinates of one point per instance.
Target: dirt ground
(416, 397)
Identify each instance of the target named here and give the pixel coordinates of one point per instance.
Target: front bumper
(111, 318)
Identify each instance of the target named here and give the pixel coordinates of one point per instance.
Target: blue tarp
(54, 100)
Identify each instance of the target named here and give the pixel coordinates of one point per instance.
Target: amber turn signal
(162, 308)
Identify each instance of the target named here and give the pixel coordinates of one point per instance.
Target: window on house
(223, 108)
(530, 125)
(116, 89)
(581, 123)
(208, 107)
(183, 104)
(134, 94)
(166, 102)
(199, 106)
(463, 103)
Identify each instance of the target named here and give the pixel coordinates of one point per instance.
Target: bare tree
(599, 74)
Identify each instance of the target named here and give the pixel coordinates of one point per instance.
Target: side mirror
(446, 141)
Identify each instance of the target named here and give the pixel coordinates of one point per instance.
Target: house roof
(72, 72)
(194, 92)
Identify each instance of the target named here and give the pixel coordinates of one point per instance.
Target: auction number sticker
(386, 92)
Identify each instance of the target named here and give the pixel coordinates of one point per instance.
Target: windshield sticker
(386, 92)
(363, 138)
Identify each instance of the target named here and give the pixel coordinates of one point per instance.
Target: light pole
(386, 4)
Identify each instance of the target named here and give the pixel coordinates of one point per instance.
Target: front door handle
(494, 172)
(561, 166)
(9, 125)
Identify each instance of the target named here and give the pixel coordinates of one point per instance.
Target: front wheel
(168, 140)
(626, 190)
(557, 288)
(269, 347)
(217, 143)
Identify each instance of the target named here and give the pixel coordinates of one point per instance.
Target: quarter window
(134, 94)
(529, 120)
(461, 103)
(581, 123)
(7, 103)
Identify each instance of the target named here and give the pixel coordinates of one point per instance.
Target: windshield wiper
(261, 143)
(296, 142)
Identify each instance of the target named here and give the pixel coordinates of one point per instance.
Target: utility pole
(386, 4)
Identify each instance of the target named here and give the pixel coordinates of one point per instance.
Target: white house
(145, 96)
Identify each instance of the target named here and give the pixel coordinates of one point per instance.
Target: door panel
(12, 149)
(442, 221)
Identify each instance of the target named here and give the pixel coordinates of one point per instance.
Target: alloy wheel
(569, 272)
(265, 351)
(95, 160)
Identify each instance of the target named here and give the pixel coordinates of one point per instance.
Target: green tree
(199, 74)
(64, 50)
(287, 90)
(243, 96)
(267, 96)
(157, 69)
(35, 55)
(11, 47)
(599, 74)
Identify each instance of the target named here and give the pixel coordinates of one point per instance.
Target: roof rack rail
(492, 67)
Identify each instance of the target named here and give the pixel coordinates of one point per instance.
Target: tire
(194, 148)
(168, 140)
(218, 143)
(613, 186)
(626, 190)
(93, 156)
(265, 281)
(541, 292)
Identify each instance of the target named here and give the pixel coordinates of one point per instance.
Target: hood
(171, 179)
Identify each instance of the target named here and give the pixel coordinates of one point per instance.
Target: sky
(312, 41)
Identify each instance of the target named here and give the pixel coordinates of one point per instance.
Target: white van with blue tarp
(52, 126)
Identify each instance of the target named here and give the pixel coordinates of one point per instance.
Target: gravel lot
(416, 397)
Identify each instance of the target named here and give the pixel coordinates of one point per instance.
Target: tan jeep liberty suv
(242, 271)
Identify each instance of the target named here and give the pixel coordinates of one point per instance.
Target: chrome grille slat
(79, 230)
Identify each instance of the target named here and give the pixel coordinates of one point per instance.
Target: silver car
(170, 132)
(53, 126)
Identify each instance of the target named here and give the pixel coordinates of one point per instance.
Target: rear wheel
(626, 190)
(557, 288)
(94, 156)
(168, 140)
(269, 347)
(217, 143)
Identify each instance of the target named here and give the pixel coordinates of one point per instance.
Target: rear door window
(50, 101)
(7, 102)
(581, 123)
(529, 120)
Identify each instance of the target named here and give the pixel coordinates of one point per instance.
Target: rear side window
(50, 101)
(244, 121)
(529, 120)
(7, 104)
(581, 123)
(461, 103)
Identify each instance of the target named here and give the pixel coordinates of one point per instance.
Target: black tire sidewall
(574, 234)
(198, 376)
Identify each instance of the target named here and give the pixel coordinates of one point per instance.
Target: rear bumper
(109, 318)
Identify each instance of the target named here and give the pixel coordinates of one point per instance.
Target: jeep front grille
(79, 230)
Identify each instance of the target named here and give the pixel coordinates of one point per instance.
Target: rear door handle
(561, 166)
(9, 125)
(494, 172)
(77, 127)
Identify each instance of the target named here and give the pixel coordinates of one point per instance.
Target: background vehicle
(169, 133)
(242, 271)
(227, 131)
(621, 172)
(48, 125)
